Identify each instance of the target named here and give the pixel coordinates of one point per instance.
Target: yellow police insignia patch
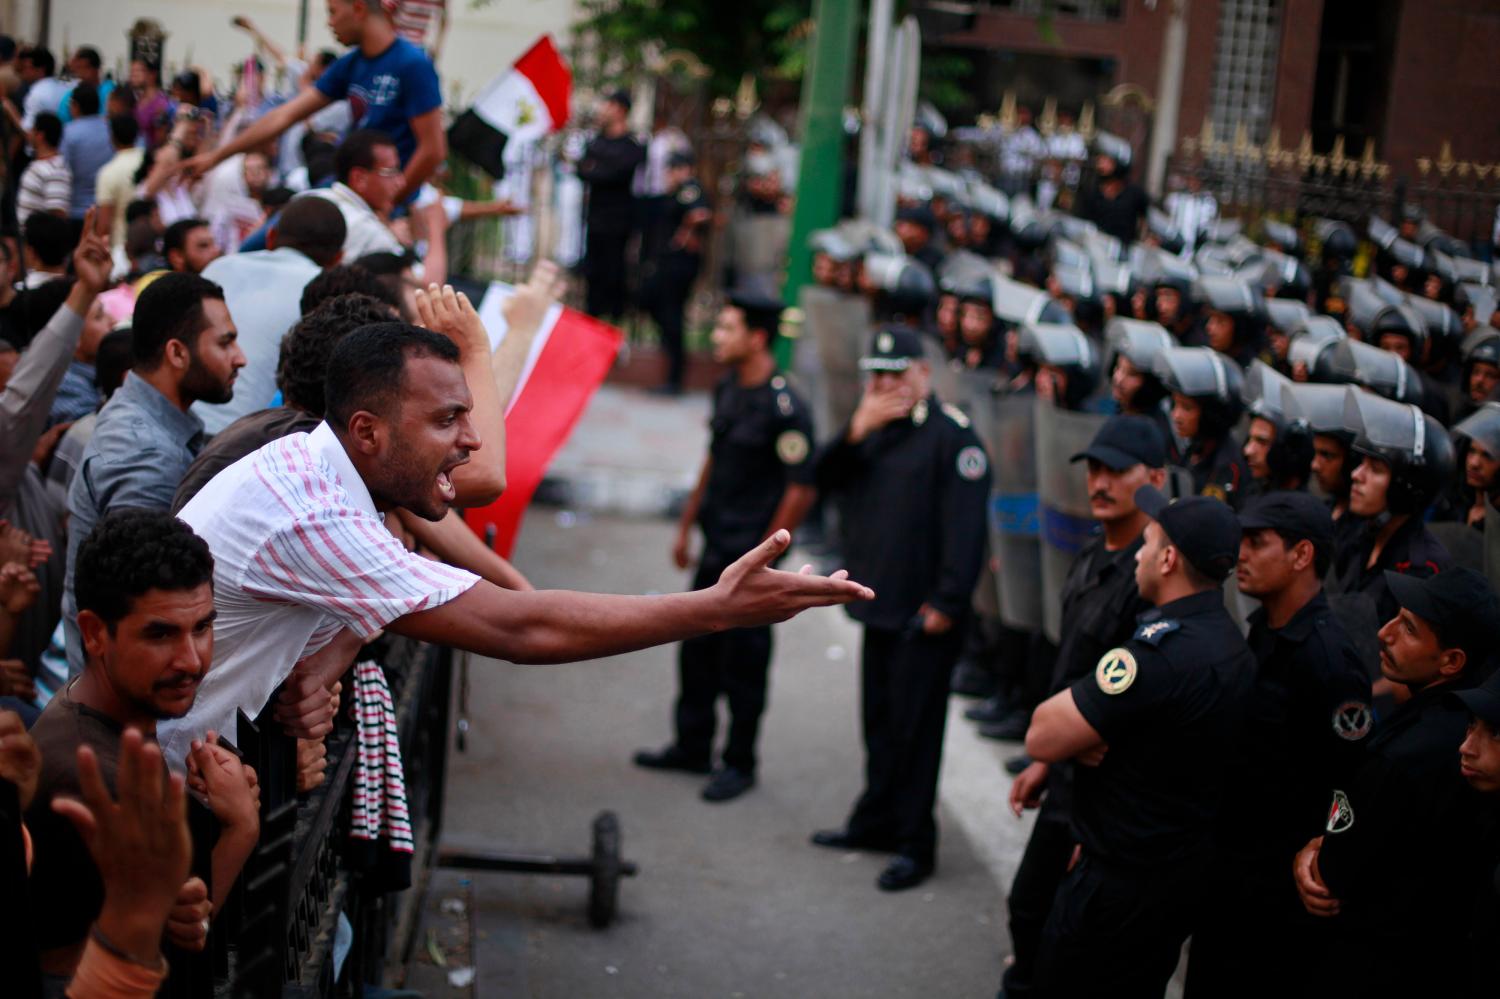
(1115, 672)
(1215, 491)
(792, 447)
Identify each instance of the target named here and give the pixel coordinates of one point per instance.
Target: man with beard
(1099, 606)
(301, 553)
(185, 348)
(146, 608)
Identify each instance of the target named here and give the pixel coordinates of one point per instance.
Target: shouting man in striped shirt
(305, 570)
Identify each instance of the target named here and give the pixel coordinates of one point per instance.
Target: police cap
(681, 158)
(920, 214)
(1203, 529)
(1296, 516)
(1458, 604)
(1125, 441)
(893, 349)
(1482, 701)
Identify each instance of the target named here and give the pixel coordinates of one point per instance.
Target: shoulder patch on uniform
(919, 413)
(792, 447)
(972, 464)
(1340, 814)
(1215, 491)
(956, 415)
(1352, 720)
(1153, 633)
(1116, 671)
(688, 194)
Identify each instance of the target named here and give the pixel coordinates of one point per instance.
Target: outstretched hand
(752, 593)
(525, 309)
(449, 312)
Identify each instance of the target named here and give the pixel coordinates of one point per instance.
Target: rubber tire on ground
(604, 884)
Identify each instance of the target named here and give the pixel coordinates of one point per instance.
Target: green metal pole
(820, 178)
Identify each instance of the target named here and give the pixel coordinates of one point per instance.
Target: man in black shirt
(608, 167)
(756, 480)
(1152, 726)
(1307, 720)
(1394, 870)
(1479, 762)
(671, 251)
(1115, 205)
(1100, 603)
(918, 485)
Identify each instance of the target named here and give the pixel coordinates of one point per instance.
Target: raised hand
(445, 311)
(140, 843)
(878, 407)
(91, 258)
(19, 587)
(525, 309)
(750, 592)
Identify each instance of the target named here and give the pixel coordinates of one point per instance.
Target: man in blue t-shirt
(390, 84)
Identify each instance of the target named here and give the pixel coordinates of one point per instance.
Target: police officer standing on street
(1394, 870)
(756, 480)
(918, 484)
(1307, 720)
(670, 254)
(1152, 726)
(608, 167)
(1100, 603)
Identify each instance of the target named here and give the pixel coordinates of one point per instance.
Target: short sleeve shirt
(761, 443)
(300, 552)
(385, 93)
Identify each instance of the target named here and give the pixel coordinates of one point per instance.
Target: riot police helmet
(1415, 446)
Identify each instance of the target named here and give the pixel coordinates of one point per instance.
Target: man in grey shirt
(24, 404)
(185, 349)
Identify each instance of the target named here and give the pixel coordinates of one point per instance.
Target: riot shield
(1063, 499)
(973, 392)
(945, 373)
(1492, 543)
(1015, 528)
(1357, 613)
(758, 245)
(837, 327)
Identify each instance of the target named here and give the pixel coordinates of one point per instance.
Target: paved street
(731, 899)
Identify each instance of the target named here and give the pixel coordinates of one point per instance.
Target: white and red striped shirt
(300, 552)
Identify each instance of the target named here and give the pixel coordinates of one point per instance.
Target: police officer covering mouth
(1150, 727)
(1393, 870)
(1100, 604)
(1307, 718)
(917, 482)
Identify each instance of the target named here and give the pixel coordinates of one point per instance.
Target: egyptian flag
(569, 358)
(519, 106)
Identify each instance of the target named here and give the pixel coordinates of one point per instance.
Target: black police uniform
(761, 444)
(1307, 720)
(669, 272)
(1399, 852)
(1221, 473)
(918, 490)
(1100, 604)
(608, 166)
(1168, 704)
(1412, 551)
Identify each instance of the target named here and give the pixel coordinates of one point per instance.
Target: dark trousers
(604, 263)
(667, 300)
(904, 707)
(730, 663)
(1043, 866)
(1116, 933)
(1246, 901)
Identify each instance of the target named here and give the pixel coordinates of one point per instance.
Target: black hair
(123, 96)
(171, 308)
(88, 54)
(140, 208)
(116, 354)
(759, 317)
(357, 152)
(320, 156)
(277, 198)
(123, 130)
(367, 367)
(314, 226)
(132, 552)
(41, 58)
(384, 264)
(326, 58)
(50, 125)
(7, 48)
(49, 237)
(39, 304)
(302, 368)
(85, 97)
(1322, 554)
(175, 238)
(343, 280)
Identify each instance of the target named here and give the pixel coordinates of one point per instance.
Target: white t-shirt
(300, 552)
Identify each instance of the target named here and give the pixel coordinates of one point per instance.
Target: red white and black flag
(519, 106)
(569, 358)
